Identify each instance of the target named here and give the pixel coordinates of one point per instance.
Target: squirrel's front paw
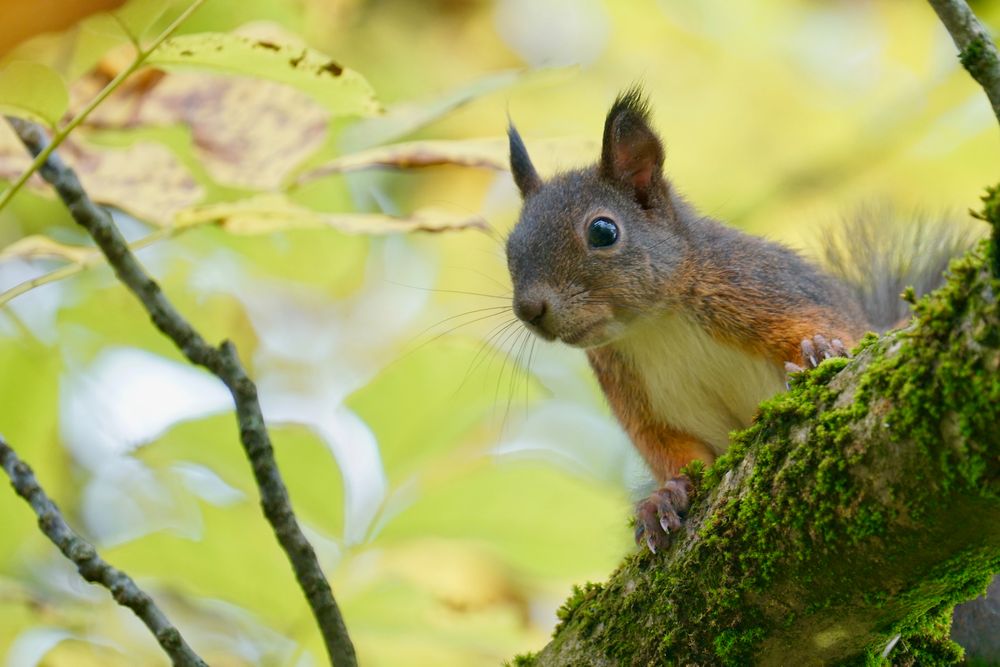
(662, 512)
(815, 350)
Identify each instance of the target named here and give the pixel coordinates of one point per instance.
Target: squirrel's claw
(662, 513)
(815, 350)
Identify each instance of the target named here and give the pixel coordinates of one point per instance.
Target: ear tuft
(525, 176)
(631, 153)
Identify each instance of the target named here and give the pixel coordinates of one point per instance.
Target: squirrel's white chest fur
(695, 383)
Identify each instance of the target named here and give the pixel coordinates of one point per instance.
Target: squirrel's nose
(531, 310)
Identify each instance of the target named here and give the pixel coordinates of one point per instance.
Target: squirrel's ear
(632, 153)
(524, 172)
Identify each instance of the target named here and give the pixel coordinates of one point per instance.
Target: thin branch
(224, 363)
(976, 48)
(91, 566)
(65, 131)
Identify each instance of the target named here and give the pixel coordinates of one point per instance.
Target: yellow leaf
(145, 179)
(266, 214)
(548, 155)
(42, 247)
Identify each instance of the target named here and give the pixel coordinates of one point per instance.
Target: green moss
(579, 596)
(735, 647)
(972, 54)
(927, 643)
(695, 471)
(523, 660)
(991, 214)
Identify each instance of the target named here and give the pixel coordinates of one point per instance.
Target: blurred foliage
(277, 166)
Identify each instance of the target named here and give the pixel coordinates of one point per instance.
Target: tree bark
(861, 505)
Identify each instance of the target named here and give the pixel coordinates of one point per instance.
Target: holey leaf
(270, 213)
(340, 90)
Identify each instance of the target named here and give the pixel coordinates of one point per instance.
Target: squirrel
(688, 324)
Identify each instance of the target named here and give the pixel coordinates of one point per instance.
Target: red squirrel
(688, 324)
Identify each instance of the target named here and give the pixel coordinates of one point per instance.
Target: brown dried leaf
(247, 133)
(145, 179)
(266, 214)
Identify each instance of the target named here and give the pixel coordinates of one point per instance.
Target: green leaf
(32, 90)
(449, 387)
(404, 118)
(539, 519)
(306, 463)
(138, 16)
(266, 214)
(340, 90)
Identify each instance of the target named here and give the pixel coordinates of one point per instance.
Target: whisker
(527, 375)
(503, 286)
(519, 342)
(449, 331)
(503, 366)
(514, 372)
(451, 291)
(498, 309)
(480, 357)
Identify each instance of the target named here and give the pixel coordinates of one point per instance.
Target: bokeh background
(455, 477)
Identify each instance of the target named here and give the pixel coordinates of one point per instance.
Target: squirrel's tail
(877, 255)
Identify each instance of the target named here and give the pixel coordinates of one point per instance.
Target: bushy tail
(877, 254)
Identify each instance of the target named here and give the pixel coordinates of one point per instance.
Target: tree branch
(91, 566)
(224, 363)
(976, 48)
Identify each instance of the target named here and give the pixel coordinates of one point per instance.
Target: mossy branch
(225, 363)
(976, 49)
(861, 505)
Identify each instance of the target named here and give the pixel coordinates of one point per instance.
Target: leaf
(138, 16)
(32, 90)
(132, 20)
(42, 247)
(507, 507)
(548, 155)
(340, 90)
(450, 387)
(246, 132)
(145, 179)
(267, 214)
(402, 119)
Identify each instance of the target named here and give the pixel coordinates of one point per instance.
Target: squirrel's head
(594, 248)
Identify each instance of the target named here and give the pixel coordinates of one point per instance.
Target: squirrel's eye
(602, 232)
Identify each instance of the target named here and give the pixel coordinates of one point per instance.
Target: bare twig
(91, 566)
(224, 362)
(976, 48)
